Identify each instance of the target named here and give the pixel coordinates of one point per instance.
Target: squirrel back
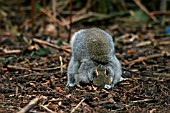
(94, 42)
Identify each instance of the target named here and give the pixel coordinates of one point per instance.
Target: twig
(16, 91)
(30, 105)
(144, 43)
(54, 14)
(27, 21)
(164, 75)
(76, 19)
(17, 67)
(61, 64)
(152, 111)
(132, 103)
(140, 59)
(32, 10)
(54, 9)
(43, 17)
(48, 69)
(48, 110)
(70, 17)
(80, 15)
(100, 103)
(132, 89)
(144, 100)
(160, 12)
(143, 8)
(49, 44)
(164, 42)
(22, 76)
(12, 51)
(43, 10)
(77, 105)
(19, 8)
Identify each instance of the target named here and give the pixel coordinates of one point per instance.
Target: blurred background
(54, 16)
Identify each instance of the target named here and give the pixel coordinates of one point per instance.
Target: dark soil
(143, 52)
(34, 56)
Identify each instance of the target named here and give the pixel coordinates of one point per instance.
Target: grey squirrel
(91, 48)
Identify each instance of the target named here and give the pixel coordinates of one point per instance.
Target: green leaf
(38, 6)
(139, 16)
(42, 52)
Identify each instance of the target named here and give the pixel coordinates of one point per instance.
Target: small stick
(54, 9)
(132, 103)
(48, 69)
(17, 67)
(30, 105)
(12, 51)
(143, 8)
(48, 110)
(27, 21)
(140, 59)
(16, 91)
(77, 105)
(70, 18)
(132, 89)
(32, 10)
(46, 43)
(163, 75)
(144, 100)
(160, 12)
(49, 44)
(76, 19)
(144, 43)
(61, 64)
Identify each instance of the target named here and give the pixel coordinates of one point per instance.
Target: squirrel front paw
(71, 84)
(106, 86)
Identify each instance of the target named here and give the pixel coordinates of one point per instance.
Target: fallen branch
(144, 43)
(132, 103)
(141, 59)
(30, 105)
(48, 110)
(164, 43)
(17, 67)
(76, 19)
(143, 8)
(164, 75)
(61, 64)
(43, 10)
(160, 13)
(49, 44)
(27, 21)
(132, 89)
(144, 100)
(10, 52)
(36, 69)
(77, 105)
(49, 69)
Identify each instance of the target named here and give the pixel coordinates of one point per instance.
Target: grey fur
(90, 48)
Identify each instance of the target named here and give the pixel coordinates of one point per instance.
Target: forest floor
(33, 69)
